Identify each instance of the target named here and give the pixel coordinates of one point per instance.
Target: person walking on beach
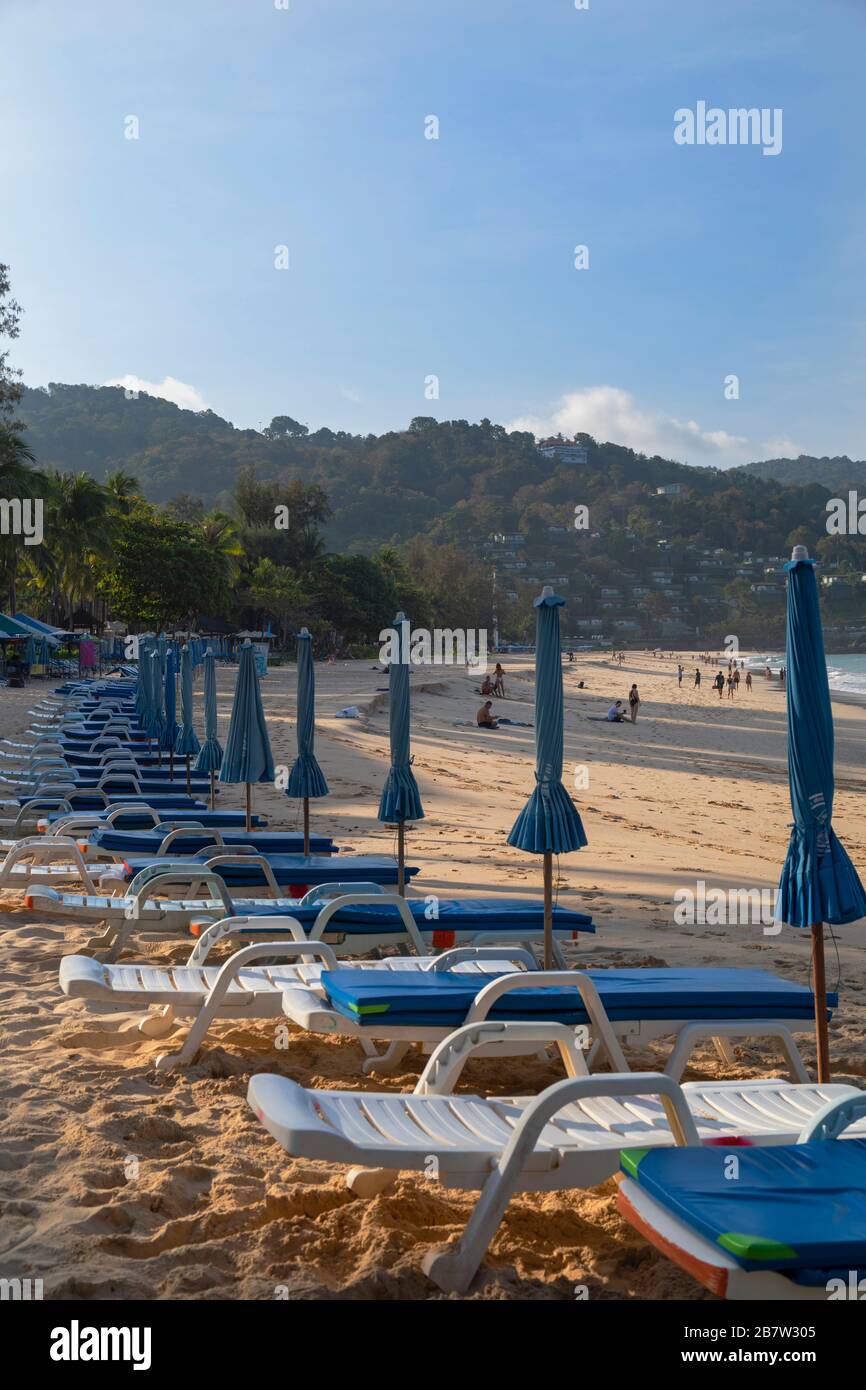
(748, 680)
(499, 681)
(737, 679)
(680, 674)
(730, 684)
(719, 683)
(633, 703)
(697, 678)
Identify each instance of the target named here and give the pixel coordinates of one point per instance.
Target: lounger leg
(389, 1059)
(167, 1061)
(453, 1268)
(725, 1051)
(157, 1025)
(100, 943)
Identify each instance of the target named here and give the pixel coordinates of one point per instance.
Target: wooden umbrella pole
(212, 790)
(401, 858)
(819, 987)
(306, 825)
(249, 807)
(548, 910)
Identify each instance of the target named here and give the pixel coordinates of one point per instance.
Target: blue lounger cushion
(288, 868)
(796, 1206)
(650, 994)
(88, 800)
(131, 821)
(141, 842)
(461, 914)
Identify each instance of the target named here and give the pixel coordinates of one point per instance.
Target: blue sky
(153, 259)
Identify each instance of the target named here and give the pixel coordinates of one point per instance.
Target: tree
(17, 480)
(274, 592)
(162, 572)
(10, 377)
(284, 427)
(80, 535)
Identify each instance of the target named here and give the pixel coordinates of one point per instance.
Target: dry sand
(119, 1182)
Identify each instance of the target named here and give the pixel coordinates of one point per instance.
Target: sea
(846, 671)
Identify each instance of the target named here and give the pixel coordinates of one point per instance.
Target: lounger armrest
(323, 892)
(188, 832)
(517, 955)
(834, 1117)
(542, 1109)
(231, 858)
(358, 894)
(559, 979)
(116, 812)
(449, 1057)
(174, 878)
(263, 927)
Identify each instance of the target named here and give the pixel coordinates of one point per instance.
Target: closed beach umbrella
(549, 822)
(248, 750)
(211, 756)
(171, 727)
(141, 683)
(187, 740)
(157, 695)
(401, 799)
(819, 883)
(306, 779)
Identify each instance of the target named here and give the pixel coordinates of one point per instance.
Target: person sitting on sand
(499, 682)
(484, 718)
(486, 687)
(616, 713)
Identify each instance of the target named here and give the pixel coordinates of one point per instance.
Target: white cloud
(169, 389)
(609, 413)
(350, 394)
(780, 449)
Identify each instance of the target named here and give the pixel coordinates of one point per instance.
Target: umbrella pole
(212, 790)
(306, 825)
(548, 910)
(819, 986)
(401, 858)
(249, 807)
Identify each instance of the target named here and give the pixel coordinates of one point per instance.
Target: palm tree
(310, 552)
(81, 535)
(122, 488)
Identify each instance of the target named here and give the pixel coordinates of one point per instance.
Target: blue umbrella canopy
(306, 778)
(156, 727)
(211, 755)
(818, 883)
(401, 799)
(248, 750)
(187, 739)
(549, 822)
(171, 728)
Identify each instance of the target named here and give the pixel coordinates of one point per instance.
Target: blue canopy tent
(818, 883)
(401, 799)
(187, 739)
(248, 755)
(211, 756)
(306, 779)
(549, 822)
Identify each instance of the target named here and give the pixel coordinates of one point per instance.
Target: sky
(283, 237)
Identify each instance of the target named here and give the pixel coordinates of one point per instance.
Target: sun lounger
(792, 1226)
(124, 816)
(45, 859)
(295, 872)
(110, 841)
(333, 913)
(569, 1136)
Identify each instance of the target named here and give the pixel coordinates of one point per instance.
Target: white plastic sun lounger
(569, 1136)
(45, 859)
(240, 987)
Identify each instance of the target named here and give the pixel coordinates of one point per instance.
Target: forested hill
(834, 473)
(450, 481)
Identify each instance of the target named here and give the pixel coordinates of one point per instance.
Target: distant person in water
(484, 718)
(633, 703)
(697, 677)
(499, 681)
(748, 680)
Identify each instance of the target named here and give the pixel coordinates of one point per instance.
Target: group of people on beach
(617, 713)
(720, 681)
(484, 717)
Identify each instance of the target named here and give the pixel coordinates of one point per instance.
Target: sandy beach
(121, 1182)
